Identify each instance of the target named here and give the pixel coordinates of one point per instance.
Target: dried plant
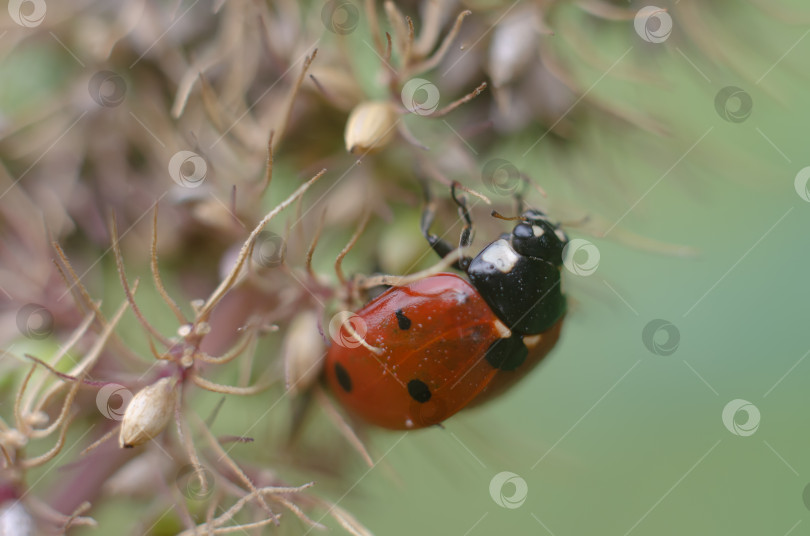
(219, 122)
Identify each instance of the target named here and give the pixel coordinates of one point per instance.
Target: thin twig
(291, 98)
(230, 279)
(344, 427)
(398, 281)
(156, 274)
(82, 368)
(352, 241)
(98, 442)
(455, 104)
(121, 348)
(268, 174)
(373, 25)
(63, 350)
(184, 434)
(240, 474)
(437, 57)
(314, 243)
(229, 389)
(51, 454)
(388, 48)
(406, 53)
(231, 354)
(119, 262)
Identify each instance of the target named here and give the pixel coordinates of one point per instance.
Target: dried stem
(455, 104)
(230, 279)
(86, 300)
(237, 507)
(119, 262)
(98, 442)
(211, 104)
(398, 281)
(120, 347)
(472, 192)
(406, 53)
(314, 243)
(268, 174)
(74, 517)
(229, 389)
(348, 521)
(373, 25)
(299, 513)
(343, 426)
(240, 474)
(156, 274)
(22, 425)
(63, 350)
(79, 371)
(231, 354)
(397, 22)
(431, 26)
(291, 99)
(352, 241)
(437, 57)
(184, 434)
(246, 364)
(51, 454)
(44, 511)
(388, 49)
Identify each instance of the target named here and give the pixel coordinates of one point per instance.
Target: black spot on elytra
(507, 354)
(343, 378)
(419, 391)
(403, 321)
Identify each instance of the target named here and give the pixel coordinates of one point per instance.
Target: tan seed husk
(370, 127)
(148, 413)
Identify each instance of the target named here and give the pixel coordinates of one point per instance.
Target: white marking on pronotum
(500, 255)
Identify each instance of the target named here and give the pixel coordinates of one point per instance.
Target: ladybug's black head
(537, 237)
(518, 275)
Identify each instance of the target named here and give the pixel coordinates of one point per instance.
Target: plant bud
(148, 413)
(302, 352)
(370, 127)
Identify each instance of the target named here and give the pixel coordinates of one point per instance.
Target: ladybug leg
(440, 246)
(428, 214)
(466, 233)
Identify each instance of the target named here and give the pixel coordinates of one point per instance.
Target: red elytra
(430, 339)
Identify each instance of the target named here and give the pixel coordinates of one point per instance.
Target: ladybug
(418, 353)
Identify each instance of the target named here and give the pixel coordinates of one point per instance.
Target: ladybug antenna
(496, 214)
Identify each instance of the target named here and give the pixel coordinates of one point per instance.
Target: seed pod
(370, 127)
(302, 351)
(148, 413)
